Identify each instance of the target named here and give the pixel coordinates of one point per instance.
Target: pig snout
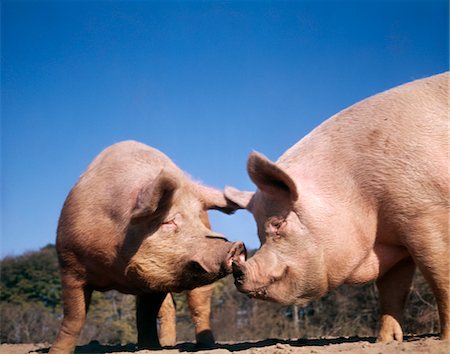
(247, 282)
(259, 279)
(219, 258)
(237, 253)
(238, 269)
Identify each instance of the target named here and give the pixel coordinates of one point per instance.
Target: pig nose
(237, 254)
(238, 274)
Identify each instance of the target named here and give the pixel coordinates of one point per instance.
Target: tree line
(31, 311)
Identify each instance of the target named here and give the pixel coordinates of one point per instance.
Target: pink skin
(364, 197)
(136, 223)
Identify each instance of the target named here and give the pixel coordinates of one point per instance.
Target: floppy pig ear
(240, 198)
(154, 197)
(215, 199)
(270, 178)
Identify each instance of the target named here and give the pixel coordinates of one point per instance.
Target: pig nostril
(238, 252)
(237, 272)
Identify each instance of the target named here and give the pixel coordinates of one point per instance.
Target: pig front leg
(76, 297)
(147, 308)
(199, 301)
(393, 288)
(167, 322)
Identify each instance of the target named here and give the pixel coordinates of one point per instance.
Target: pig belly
(378, 262)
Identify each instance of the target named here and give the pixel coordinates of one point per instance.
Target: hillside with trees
(30, 310)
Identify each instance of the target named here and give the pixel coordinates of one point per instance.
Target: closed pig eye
(276, 221)
(169, 225)
(273, 226)
(172, 223)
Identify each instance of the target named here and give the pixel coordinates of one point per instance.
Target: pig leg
(199, 300)
(430, 249)
(147, 308)
(167, 322)
(76, 297)
(393, 289)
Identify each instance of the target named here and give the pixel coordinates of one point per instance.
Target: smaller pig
(363, 197)
(136, 223)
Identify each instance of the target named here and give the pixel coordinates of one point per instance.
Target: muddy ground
(415, 345)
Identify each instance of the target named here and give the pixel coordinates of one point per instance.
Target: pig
(136, 223)
(363, 197)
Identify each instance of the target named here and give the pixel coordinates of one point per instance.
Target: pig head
(363, 197)
(168, 245)
(289, 267)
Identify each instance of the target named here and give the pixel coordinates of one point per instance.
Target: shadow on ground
(96, 347)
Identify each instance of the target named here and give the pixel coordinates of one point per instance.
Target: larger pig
(363, 197)
(136, 223)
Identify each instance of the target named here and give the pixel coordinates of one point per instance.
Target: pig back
(401, 156)
(389, 151)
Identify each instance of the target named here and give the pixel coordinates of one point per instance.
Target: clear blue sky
(204, 82)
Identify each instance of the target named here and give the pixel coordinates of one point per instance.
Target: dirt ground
(356, 345)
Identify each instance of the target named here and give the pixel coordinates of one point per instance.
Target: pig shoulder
(379, 142)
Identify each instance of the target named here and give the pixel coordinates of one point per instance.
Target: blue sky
(205, 82)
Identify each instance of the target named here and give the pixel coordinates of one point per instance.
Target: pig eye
(274, 225)
(170, 225)
(173, 223)
(276, 222)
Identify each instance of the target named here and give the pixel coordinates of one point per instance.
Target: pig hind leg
(167, 322)
(76, 298)
(393, 289)
(429, 246)
(199, 300)
(147, 308)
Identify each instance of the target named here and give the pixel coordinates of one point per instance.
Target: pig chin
(280, 291)
(271, 288)
(194, 275)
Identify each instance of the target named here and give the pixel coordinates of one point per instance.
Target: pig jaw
(263, 276)
(266, 277)
(269, 288)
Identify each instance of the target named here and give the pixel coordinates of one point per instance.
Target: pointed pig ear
(240, 198)
(270, 178)
(155, 197)
(215, 199)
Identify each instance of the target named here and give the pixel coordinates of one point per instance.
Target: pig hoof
(205, 340)
(390, 330)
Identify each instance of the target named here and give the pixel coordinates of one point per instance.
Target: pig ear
(215, 199)
(240, 198)
(270, 178)
(155, 198)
